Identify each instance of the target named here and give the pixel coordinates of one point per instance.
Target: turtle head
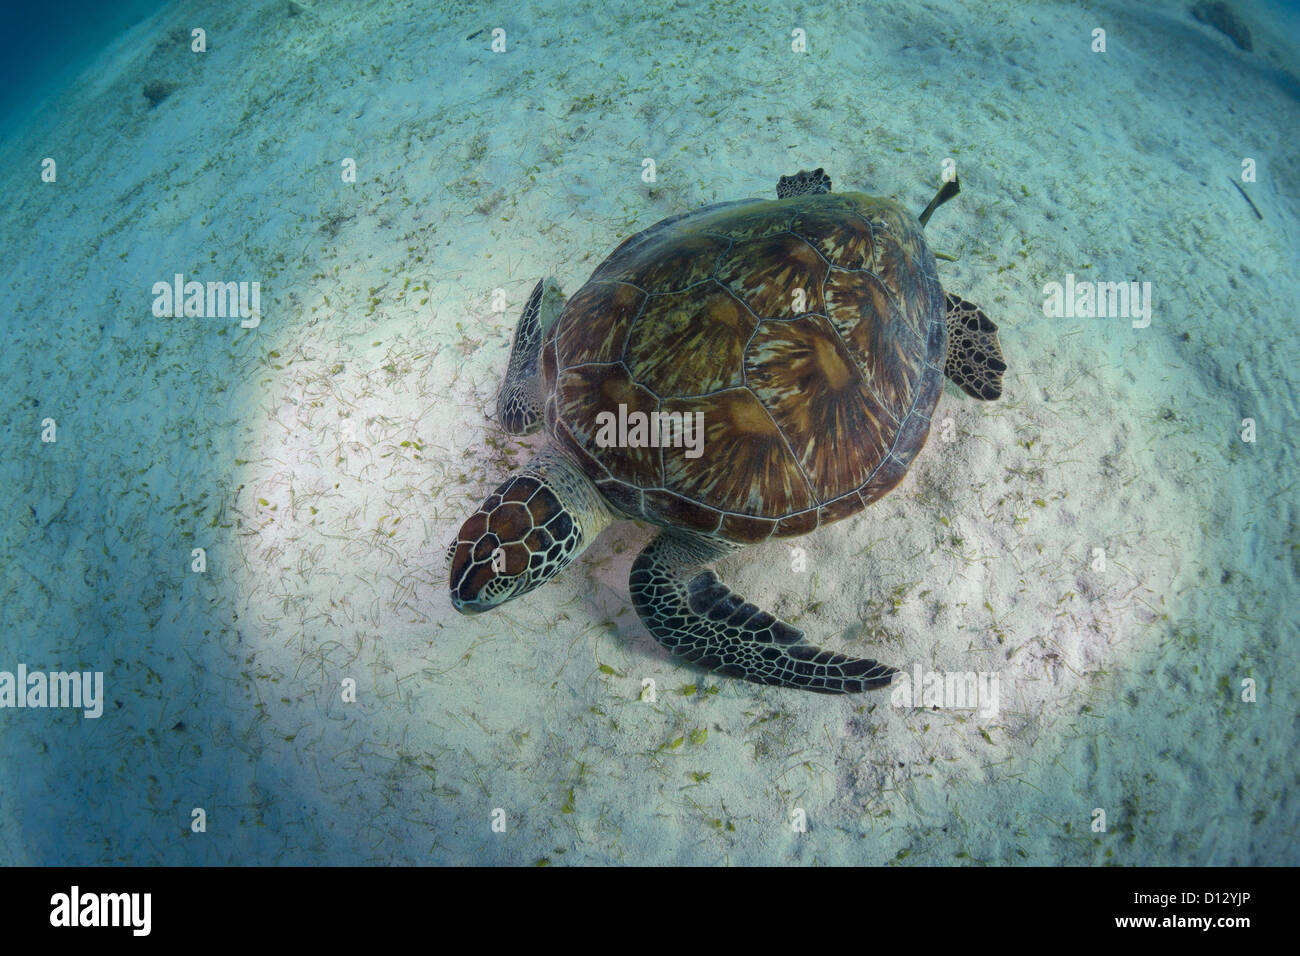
(519, 538)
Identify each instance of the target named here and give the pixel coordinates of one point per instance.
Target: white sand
(284, 450)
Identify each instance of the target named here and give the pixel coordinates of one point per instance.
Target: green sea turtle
(750, 370)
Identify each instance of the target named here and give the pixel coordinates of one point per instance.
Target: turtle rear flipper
(803, 183)
(519, 400)
(697, 618)
(975, 362)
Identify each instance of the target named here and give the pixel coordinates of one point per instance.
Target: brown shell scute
(804, 375)
(839, 233)
(737, 428)
(807, 332)
(666, 265)
(704, 323)
(741, 222)
(766, 273)
(610, 308)
(883, 350)
(603, 388)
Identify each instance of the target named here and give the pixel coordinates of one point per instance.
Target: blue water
(42, 46)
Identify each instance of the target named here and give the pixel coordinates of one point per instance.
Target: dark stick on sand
(1245, 197)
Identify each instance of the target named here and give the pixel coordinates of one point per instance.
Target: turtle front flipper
(519, 400)
(975, 361)
(697, 618)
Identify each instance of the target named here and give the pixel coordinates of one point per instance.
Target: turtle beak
(475, 586)
(467, 580)
(466, 607)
